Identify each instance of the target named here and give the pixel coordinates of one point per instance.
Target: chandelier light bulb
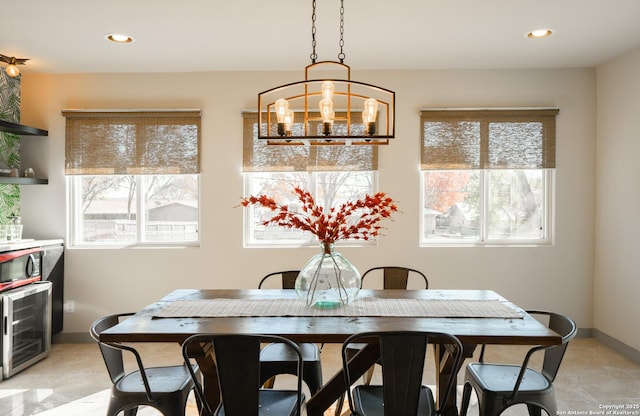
(282, 108)
(326, 110)
(288, 122)
(369, 115)
(371, 108)
(327, 90)
(327, 114)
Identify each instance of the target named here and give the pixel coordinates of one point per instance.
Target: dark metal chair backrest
(112, 356)
(288, 278)
(237, 360)
(402, 356)
(396, 277)
(112, 352)
(563, 326)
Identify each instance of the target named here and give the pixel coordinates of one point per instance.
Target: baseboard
(619, 346)
(72, 338)
(584, 333)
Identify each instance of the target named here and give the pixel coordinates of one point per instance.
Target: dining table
(474, 316)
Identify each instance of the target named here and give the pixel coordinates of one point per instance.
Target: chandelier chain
(341, 55)
(313, 55)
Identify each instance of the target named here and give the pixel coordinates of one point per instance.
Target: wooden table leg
(444, 370)
(333, 389)
(204, 358)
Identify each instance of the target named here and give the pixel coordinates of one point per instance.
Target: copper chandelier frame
(325, 109)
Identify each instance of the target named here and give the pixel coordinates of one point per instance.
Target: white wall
(617, 270)
(558, 277)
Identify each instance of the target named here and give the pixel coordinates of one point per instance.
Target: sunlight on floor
(94, 404)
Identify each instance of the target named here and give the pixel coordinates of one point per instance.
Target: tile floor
(73, 380)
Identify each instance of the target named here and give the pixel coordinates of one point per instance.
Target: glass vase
(328, 280)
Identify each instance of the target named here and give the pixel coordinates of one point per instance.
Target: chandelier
(324, 109)
(12, 70)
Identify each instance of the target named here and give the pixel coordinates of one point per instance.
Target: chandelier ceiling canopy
(327, 107)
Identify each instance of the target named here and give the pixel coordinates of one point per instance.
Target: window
(333, 174)
(487, 176)
(133, 177)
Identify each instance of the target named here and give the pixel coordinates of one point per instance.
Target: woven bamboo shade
(258, 156)
(488, 139)
(132, 142)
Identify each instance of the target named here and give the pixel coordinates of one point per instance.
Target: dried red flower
(352, 220)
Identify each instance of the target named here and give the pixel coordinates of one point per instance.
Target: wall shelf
(20, 129)
(23, 181)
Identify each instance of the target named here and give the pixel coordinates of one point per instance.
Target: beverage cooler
(31, 302)
(26, 326)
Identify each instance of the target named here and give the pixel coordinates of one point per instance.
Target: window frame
(74, 230)
(248, 220)
(547, 211)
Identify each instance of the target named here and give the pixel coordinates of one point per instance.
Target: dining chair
(238, 367)
(391, 277)
(164, 388)
(396, 277)
(278, 358)
(402, 354)
(499, 386)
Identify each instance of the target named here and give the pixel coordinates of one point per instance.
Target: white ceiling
(209, 35)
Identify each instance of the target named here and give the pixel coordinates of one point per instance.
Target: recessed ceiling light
(119, 38)
(539, 33)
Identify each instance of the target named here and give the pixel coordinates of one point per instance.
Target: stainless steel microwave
(19, 268)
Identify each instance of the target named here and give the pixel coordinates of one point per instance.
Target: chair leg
(534, 410)
(175, 407)
(198, 403)
(269, 383)
(466, 398)
(131, 412)
(115, 408)
(312, 376)
(339, 404)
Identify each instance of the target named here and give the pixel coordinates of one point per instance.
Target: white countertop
(27, 243)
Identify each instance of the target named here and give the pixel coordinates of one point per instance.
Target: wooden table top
(143, 327)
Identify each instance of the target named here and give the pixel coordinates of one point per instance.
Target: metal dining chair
(278, 358)
(402, 354)
(238, 368)
(164, 388)
(396, 277)
(391, 277)
(499, 386)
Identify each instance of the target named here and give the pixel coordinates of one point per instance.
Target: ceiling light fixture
(326, 110)
(12, 69)
(119, 38)
(539, 33)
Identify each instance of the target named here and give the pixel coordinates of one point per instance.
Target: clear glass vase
(328, 280)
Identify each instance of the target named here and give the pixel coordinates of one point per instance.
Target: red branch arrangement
(355, 219)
